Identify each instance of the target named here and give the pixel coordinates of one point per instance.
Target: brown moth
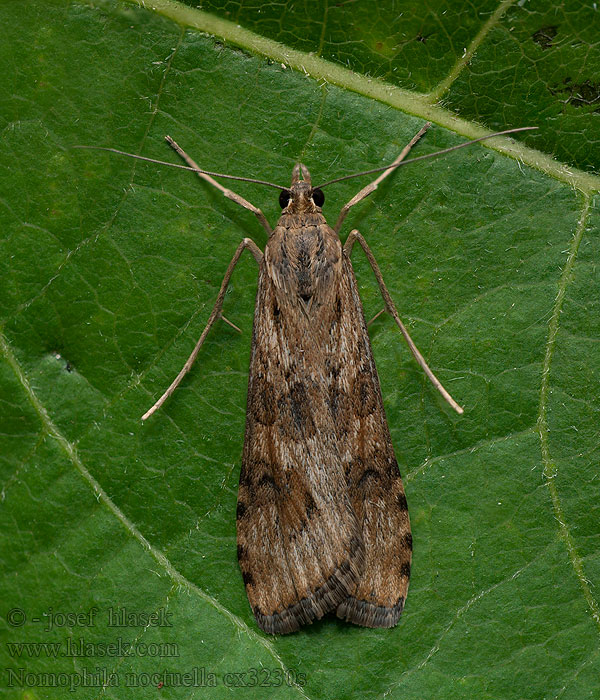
(322, 518)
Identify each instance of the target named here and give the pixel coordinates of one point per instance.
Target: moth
(322, 517)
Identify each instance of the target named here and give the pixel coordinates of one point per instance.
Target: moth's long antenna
(428, 155)
(184, 167)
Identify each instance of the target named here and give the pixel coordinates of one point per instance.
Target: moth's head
(301, 197)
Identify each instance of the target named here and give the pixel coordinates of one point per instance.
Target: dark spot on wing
(301, 410)
(370, 475)
(401, 501)
(364, 393)
(309, 505)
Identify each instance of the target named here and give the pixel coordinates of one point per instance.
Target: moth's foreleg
(227, 192)
(391, 308)
(372, 186)
(215, 314)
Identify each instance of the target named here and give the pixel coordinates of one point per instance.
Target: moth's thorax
(303, 257)
(296, 223)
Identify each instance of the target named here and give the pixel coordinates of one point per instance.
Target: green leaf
(499, 64)
(111, 267)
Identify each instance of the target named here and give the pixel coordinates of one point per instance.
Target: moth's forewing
(373, 478)
(299, 541)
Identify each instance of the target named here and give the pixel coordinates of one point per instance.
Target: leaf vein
(70, 451)
(550, 469)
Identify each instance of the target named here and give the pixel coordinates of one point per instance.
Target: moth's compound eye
(318, 197)
(284, 198)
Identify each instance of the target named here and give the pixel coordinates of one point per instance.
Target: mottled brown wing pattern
(318, 466)
(373, 478)
(322, 517)
(300, 544)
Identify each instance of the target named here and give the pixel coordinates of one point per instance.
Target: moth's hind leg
(215, 314)
(391, 308)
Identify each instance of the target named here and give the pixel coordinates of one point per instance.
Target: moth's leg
(228, 193)
(372, 186)
(229, 323)
(377, 315)
(391, 308)
(215, 314)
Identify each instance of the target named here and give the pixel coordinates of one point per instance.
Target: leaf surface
(110, 270)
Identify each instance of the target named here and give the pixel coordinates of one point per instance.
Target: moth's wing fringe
(325, 599)
(360, 612)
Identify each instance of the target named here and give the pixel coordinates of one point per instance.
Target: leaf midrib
(419, 105)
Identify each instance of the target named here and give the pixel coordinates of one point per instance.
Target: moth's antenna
(184, 167)
(428, 155)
